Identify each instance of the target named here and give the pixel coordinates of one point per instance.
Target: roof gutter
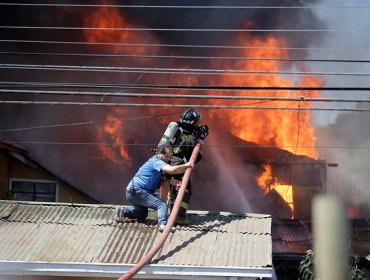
(153, 271)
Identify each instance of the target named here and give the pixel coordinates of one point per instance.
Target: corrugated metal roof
(295, 236)
(52, 232)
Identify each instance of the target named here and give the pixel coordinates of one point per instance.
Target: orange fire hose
(147, 258)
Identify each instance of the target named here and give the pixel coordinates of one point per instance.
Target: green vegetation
(306, 268)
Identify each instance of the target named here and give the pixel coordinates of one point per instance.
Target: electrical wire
(181, 6)
(184, 46)
(179, 29)
(176, 87)
(185, 96)
(205, 145)
(185, 57)
(83, 123)
(179, 71)
(146, 105)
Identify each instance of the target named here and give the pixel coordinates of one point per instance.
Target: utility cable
(179, 29)
(177, 87)
(185, 57)
(180, 71)
(184, 46)
(206, 145)
(84, 123)
(49, 5)
(184, 96)
(146, 105)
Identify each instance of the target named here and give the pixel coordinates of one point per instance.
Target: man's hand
(189, 164)
(201, 133)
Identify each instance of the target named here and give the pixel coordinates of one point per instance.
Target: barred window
(33, 190)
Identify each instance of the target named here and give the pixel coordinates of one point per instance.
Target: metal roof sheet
(295, 236)
(52, 232)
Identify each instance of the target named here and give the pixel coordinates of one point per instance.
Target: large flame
(110, 17)
(113, 128)
(268, 183)
(289, 130)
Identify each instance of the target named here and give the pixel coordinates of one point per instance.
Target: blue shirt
(148, 176)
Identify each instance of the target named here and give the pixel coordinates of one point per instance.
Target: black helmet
(190, 119)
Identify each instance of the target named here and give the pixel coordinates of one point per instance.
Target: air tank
(169, 133)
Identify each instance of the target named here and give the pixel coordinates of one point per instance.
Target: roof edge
(153, 271)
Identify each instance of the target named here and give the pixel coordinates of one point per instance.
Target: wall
(4, 174)
(11, 167)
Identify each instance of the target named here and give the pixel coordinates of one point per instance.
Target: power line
(82, 123)
(176, 87)
(185, 96)
(158, 70)
(181, 46)
(146, 105)
(206, 145)
(178, 29)
(181, 6)
(184, 57)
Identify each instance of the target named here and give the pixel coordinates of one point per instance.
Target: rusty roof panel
(127, 244)
(295, 236)
(21, 241)
(64, 214)
(54, 232)
(71, 243)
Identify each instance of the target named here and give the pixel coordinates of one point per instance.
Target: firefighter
(183, 136)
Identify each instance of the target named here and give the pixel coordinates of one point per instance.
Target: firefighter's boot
(182, 220)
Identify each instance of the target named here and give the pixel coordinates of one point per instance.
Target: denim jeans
(142, 200)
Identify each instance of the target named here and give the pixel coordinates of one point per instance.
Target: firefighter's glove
(201, 133)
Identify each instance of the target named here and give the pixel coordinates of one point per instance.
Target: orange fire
(289, 130)
(110, 17)
(268, 183)
(113, 132)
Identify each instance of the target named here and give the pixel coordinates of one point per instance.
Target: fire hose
(147, 258)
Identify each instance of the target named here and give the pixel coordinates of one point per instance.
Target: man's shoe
(161, 228)
(182, 221)
(119, 217)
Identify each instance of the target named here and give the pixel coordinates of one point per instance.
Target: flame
(268, 183)
(286, 129)
(113, 128)
(110, 17)
(113, 132)
(266, 180)
(289, 130)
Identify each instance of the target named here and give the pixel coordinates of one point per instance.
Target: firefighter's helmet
(189, 119)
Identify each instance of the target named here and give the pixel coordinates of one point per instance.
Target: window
(33, 190)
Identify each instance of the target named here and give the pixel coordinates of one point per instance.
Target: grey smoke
(84, 167)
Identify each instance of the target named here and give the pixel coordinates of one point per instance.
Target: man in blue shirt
(140, 191)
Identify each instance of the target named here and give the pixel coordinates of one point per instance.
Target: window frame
(34, 192)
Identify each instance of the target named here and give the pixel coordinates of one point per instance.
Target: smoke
(350, 143)
(85, 166)
(224, 186)
(345, 135)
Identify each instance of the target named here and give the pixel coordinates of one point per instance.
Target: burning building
(260, 155)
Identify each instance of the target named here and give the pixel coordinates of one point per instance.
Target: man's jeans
(142, 200)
